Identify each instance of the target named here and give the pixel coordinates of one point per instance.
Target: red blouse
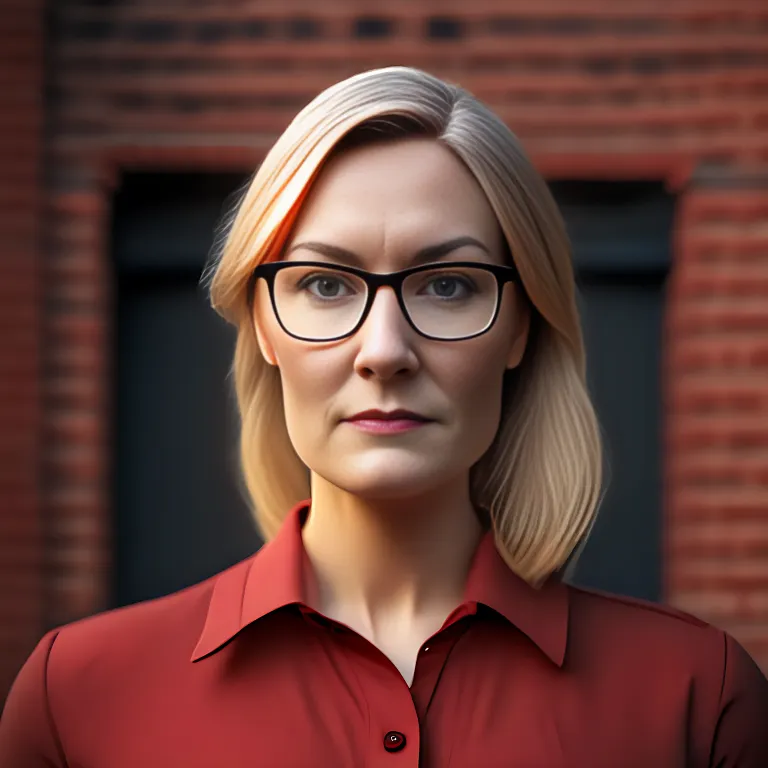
(237, 672)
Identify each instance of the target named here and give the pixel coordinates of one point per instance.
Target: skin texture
(392, 529)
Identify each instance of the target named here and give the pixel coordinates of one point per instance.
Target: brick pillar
(77, 415)
(717, 405)
(21, 540)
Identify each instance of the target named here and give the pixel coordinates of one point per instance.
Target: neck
(382, 558)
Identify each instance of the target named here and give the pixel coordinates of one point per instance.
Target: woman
(423, 456)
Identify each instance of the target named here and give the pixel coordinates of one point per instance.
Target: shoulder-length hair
(541, 478)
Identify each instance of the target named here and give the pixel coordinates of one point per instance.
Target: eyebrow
(423, 256)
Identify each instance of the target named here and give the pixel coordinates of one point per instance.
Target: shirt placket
(397, 712)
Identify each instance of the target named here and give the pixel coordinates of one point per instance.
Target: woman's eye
(450, 287)
(325, 286)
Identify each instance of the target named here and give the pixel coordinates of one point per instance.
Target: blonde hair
(541, 478)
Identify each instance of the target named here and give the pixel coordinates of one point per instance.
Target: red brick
(491, 86)
(687, 549)
(725, 279)
(78, 328)
(721, 313)
(76, 464)
(90, 203)
(75, 427)
(719, 431)
(722, 468)
(81, 358)
(726, 504)
(731, 352)
(731, 206)
(21, 554)
(524, 48)
(736, 393)
(76, 595)
(73, 392)
(722, 605)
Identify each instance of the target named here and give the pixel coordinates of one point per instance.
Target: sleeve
(741, 729)
(28, 737)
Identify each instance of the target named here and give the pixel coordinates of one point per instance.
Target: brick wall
(594, 89)
(717, 423)
(21, 543)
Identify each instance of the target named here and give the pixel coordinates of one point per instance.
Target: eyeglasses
(449, 301)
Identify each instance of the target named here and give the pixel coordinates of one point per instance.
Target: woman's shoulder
(609, 607)
(648, 641)
(174, 619)
(158, 620)
(623, 625)
(70, 681)
(130, 640)
(682, 664)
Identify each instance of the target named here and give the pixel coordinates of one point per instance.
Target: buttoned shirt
(239, 671)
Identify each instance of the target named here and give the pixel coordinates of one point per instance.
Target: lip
(387, 422)
(397, 414)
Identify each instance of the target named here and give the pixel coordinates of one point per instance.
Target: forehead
(395, 195)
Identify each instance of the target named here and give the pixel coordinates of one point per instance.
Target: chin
(391, 476)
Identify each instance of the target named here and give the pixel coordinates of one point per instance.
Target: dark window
(601, 65)
(152, 31)
(649, 65)
(511, 25)
(95, 29)
(214, 31)
(444, 28)
(637, 26)
(621, 234)
(187, 104)
(736, 59)
(570, 25)
(256, 28)
(693, 61)
(373, 27)
(131, 101)
(303, 28)
(179, 513)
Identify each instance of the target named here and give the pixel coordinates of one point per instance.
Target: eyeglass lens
(446, 303)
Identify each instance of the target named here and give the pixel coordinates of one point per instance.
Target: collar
(273, 578)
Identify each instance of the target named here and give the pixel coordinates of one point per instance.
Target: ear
(261, 323)
(522, 327)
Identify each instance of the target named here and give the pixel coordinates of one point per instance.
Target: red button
(394, 741)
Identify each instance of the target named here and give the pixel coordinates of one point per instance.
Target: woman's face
(385, 203)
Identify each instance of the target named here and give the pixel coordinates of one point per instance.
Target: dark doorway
(179, 513)
(621, 235)
(180, 516)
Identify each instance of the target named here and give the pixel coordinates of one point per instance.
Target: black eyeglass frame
(376, 280)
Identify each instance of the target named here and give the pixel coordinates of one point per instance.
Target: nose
(385, 340)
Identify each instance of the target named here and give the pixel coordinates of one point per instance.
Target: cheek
(475, 387)
(310, 380)
(479, 380)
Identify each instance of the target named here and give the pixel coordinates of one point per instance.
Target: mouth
(397, 415)
(387, 422)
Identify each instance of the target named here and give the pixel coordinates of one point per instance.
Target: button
(394, 741)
